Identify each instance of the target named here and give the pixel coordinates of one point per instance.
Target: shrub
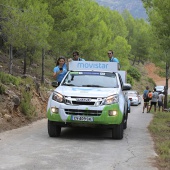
(133, 72)
(7, 79)
(150, 80)
(2, 89)
(26, 106)
(130, 80)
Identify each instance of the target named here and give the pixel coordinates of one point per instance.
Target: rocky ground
(10, 114)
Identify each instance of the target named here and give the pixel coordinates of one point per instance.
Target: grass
(160, 130)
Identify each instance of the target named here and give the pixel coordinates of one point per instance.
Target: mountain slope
(135, 7)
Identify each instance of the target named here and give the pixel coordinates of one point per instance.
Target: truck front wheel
(117, 131)
(125, 121)
(53, 129)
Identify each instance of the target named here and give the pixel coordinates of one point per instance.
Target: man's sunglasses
(109, 53)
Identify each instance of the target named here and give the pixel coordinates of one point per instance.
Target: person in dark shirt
(146, 99)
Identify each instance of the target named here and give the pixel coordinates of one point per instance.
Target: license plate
(82, 118)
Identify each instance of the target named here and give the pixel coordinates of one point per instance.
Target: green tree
(85, 26)
(27, 25)
(139, 37)
(159, 15)
(121, 51)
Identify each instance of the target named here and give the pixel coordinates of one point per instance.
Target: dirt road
(30, 147)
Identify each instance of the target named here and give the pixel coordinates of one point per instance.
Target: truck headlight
(54, 110)
(58, 97)
(112, 99)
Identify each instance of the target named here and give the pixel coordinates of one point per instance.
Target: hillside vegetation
(135, 7)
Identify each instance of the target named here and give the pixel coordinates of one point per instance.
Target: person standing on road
(161, 97)
(112, 58)
(154, 100)
(145, 99)
(149, 97)
(60, 70)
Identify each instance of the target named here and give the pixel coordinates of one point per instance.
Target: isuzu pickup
(90, 95)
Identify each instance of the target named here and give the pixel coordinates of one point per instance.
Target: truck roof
(97, 66)
(93, 66)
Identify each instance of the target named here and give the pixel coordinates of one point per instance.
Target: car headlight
(112, 99)
(58, 97)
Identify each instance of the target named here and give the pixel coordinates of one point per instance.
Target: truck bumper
(100, 116)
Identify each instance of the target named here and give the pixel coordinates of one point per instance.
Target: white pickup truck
(90, 95)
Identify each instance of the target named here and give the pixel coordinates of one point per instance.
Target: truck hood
(86, 91)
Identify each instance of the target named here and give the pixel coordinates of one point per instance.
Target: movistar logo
(92, 65)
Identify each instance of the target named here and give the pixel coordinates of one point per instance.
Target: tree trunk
(10, 59)
(166, 88)
(31, 59)
(43, 56)
(134, 61)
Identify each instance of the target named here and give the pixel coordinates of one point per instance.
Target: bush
(150, 80)
(7, 79)
(2, 89)
(26, 106)
(133, 72)
(130, 80)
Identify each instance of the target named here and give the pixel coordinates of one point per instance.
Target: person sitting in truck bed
(112, 58)
(60, 70)
(76, 57)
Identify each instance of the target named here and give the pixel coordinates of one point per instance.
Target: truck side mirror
(54, 84)
(126, 86)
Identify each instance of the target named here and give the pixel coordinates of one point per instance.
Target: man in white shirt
(161, 101)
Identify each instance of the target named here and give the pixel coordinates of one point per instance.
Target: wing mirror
(54, 84)
(127, 86)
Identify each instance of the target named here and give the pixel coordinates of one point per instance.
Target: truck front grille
(84, 101)
(83, 112)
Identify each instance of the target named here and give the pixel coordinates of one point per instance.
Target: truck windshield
(91, 79)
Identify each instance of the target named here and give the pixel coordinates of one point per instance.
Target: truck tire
(117, 131)
(53, 129)
(125, 124)
(125, 121)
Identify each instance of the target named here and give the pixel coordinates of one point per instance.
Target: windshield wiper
(88, 85)
(68, 84)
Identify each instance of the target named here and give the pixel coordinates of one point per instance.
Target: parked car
(134, 97)
(160, 89)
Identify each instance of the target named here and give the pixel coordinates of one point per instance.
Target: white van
(90, 95)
